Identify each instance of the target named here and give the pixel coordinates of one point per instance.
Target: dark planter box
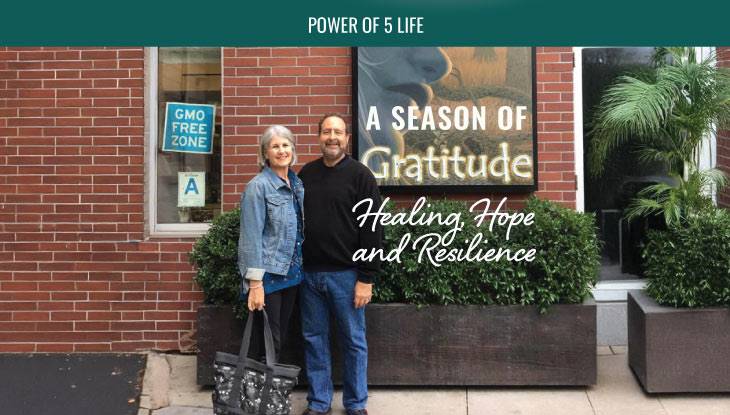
(678, 349)
(449, 345)
(218, 330)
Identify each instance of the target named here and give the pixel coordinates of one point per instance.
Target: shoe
(313, 412)
(357, 412)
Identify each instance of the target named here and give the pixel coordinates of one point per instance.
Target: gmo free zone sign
(189, 128)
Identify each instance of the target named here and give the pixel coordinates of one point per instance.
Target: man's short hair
(333, 114)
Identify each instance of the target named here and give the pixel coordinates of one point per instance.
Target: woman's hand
(256, 295)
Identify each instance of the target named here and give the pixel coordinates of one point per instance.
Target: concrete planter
(678, 349)
(450, 345)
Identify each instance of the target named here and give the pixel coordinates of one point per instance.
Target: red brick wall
(294, 87)
(723, 136)
(289, 86)
(555, 136)
(76, 272)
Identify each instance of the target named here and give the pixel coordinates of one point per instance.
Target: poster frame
(430, 189)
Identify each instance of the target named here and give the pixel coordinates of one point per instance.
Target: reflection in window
(625, 174)
(192, 76)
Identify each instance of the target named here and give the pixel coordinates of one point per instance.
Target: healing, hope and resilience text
(435, 247)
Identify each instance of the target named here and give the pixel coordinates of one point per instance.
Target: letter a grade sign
(190, 189)
(189, 128)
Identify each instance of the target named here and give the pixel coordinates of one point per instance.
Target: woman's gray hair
(268, 135)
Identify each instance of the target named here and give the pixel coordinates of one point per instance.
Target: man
(333, 283)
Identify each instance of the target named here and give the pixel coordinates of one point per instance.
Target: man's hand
(256, 295)
(363, 294)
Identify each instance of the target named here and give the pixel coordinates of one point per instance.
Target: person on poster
(391, 77)
(271, 236)
(333, 283)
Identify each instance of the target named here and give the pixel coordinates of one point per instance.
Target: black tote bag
(247, 386)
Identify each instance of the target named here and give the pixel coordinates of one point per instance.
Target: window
(595, 68)
(625, 174)
(184, 129)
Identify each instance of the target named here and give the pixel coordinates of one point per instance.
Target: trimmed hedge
(689, 265)
(564, 270)
(215, 256)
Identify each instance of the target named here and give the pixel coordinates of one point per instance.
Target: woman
(270, 241)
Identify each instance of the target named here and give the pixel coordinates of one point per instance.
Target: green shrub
(568, 252)
(215, 256)
(689, 265)
(564, 270)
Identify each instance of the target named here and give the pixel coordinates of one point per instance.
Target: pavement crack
(593, 408)
(467, 401)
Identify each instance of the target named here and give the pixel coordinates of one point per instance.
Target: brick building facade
(78, 270)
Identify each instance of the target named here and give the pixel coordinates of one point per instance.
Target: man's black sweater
(331, 231)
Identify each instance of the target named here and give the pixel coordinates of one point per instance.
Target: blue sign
(189, 128)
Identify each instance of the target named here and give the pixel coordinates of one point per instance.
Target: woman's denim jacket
(268, 225)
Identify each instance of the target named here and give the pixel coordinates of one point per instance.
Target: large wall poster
(447, 119)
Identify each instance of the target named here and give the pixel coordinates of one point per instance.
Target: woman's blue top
(276, 282)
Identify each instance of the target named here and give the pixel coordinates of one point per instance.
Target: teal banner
(366, 23)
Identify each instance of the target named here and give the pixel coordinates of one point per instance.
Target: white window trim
(616, 290)
(578, 128)
(708, 147)
(163, 230)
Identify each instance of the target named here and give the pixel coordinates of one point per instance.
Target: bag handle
(270, 362)
(246, 342)
(241, 363)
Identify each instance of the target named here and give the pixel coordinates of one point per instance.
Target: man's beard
(331, 153)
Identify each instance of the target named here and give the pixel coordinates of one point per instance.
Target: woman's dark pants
(279, 307)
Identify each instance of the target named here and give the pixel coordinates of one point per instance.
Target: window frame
(153, 228)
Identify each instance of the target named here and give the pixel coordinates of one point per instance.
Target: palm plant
(676, 203)
(670, 111)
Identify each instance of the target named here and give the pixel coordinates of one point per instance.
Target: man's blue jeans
(322, 294)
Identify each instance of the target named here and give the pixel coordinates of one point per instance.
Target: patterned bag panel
(252, 389)
(243, 385)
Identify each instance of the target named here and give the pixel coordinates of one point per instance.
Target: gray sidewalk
(170, 389)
